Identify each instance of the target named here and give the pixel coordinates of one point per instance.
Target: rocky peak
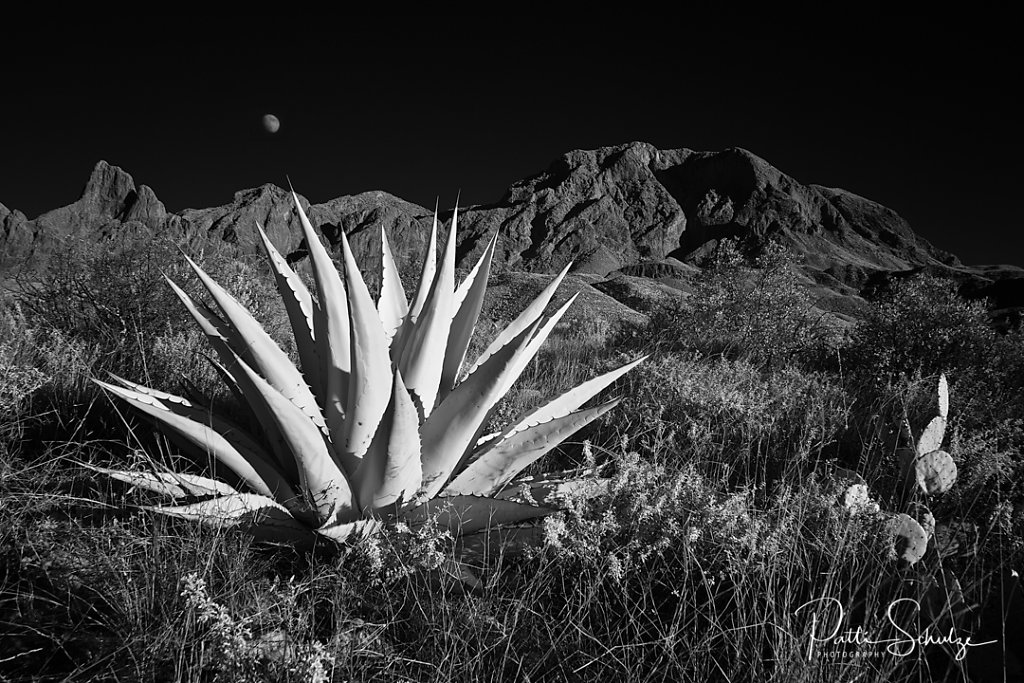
(110, 204)
(630, 207)
(602, 209)
(109, 192)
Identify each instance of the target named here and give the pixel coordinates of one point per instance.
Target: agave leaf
(331, 328)
(340, 533)
(160, 483)
(392, 306)
(530, 315)
(391, 470)
(197, 485)
(424, 351)
(487, 438)
(225, 342)
(426, 273)
(469, 299)
(520, 362)
(931, 437)
(538, 339)
(229, 381)
(222, 510)
(247, 395)
(555, 493)
(230, 429)
(171, 484)
(499, 465)
(469, 514)
(229, 347)
(272, 363)
(454, 427)
(943, 397)
(254, 468)
(370, 378)
(321, 479)
(480, 273)
(279, 455)
(222, 337)
(259, 516)
(572, 399)
(194, 394)
(299, 305)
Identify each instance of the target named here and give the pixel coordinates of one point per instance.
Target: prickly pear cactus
(935, 472)
(925, 465)
(909, 536)
(932, 436)
(942, 406)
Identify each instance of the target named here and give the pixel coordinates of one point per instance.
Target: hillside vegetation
(754, 473)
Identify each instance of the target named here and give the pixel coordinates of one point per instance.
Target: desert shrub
(115, 296)
(921, 327)
(18, 375)
(990, 494)
(757, 312)
(692, 567)
(44, 373)
(741, 423)
(100, 308)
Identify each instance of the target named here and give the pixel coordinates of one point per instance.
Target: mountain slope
(630, 209)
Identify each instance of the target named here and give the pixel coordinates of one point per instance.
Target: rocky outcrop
(605, 210)
(111, 206)
(631, 210)
(109, 200)
(632, 205)
(360, 217)
(15, 232)
(601, 209)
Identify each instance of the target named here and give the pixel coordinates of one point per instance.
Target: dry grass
(720, 521)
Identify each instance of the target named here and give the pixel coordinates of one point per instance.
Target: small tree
(922, 327)
(759, 312)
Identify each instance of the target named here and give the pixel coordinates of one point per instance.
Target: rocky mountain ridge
(628, 211)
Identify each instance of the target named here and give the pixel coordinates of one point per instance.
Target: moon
(271, 123)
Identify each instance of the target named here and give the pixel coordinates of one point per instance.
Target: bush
(760, 313)
(100, 308)
(117, 299)
(921, 328)
(740, 423)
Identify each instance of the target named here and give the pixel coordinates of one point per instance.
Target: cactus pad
(943, 397)
(910, 538)
(931, 437)
(935, 472)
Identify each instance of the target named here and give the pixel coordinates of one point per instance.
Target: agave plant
(378, 420)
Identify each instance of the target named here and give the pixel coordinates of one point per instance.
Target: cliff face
(617, 207)
(111, 206)
(630, 209)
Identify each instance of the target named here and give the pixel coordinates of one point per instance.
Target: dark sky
(921, 115)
